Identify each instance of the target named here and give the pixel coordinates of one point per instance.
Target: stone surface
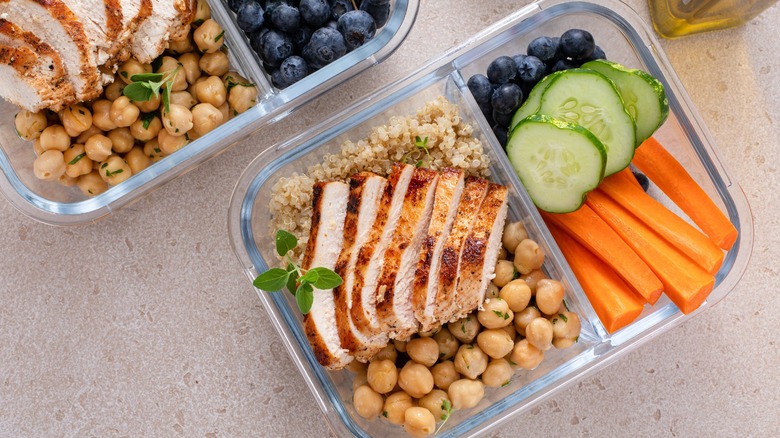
(144, 325)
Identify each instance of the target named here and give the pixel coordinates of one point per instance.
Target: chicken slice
(365, 192)
(394, 289)
(473, 194)
(426, 278)
(134, 13)
(322, 250)
(170, 20)
(102, 21)
(480, 251)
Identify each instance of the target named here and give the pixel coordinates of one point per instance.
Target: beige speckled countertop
(143, 324)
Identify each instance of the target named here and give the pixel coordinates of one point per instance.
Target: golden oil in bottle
(676, 18)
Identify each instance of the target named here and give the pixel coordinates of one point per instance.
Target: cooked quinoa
(450, 144)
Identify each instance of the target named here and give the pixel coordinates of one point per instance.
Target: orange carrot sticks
(682, 235)
(672, 178)
(685, 282)
(593, 233)
(613, 300)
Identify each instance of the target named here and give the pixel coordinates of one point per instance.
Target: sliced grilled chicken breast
(426, 278)
(473, 194)
(322, 250)
(134, 13)
(169, 20)
(480, 251)
(365, 192)
(102, 21)
(55, 24)
(394, 289)
(369, 262)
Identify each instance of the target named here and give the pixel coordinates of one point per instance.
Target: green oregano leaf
(285, 242)
(304, 296)
(271, 280)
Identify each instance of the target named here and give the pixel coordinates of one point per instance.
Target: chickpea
(505, 272)
(444, 373)
(169, 143)
(549, 296)
(115, 170)
(430, 332)
(465, 329)
(396, 405)
(492, 291)
(202, 12)
(539, 333)
(382, 375)
(562, 343)
(84, 136)
(190, 65)
(121, 140)
(495, 313)
(205, 117)
(49, 166)
(145, 129)
(424, 351)
(416, 379)
(115, 89)
(524, 318)
(242, 97)
(153, 151)
(209, 37)
(55, 138)
(98, 147)
(76, 119)
(498, 373)
(170, 64)
(357, 367)
(566, 325)
(123, 113)
(225, 110)
(526, 356)
(510, 331)
(30, 125)
(517, 295)
(132, 67)
(101, 115)
(151, 105)
(419, 422)
(66, 180)
(368, 403)
(465, 393)
(447, 343)
(528, 256)
(177, 121)
(388, 352)
(91, 184)
(37, 148)
(137, 160)
(82, 165)
(470, 361)
(514, 233)
(496, 343)
(183, 45)
(211, 90)
(533, 278)
(433, 402)
(214, 64)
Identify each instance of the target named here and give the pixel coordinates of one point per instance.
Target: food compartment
(253, 241)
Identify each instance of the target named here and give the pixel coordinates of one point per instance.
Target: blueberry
(326, 45)
(249, 17)
(502, 70)
(332, 24)
(480, 88)
(357, 27)
(531, 69)
(276, 46)
(277, 80)
(577, 44)
(235, 5)
(379, 9)
(506, 99)
(543, 48)
(256, 40)
(503, 119)
(487, 111)
(563, 64)
(501, 134)
(339, 8)
(642, 179)
(285, 18)
(598, 53)
(314, 12)
(300, 38)
(293, 69)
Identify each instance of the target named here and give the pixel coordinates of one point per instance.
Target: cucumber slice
(533, 101)
(643, 95)
(558, 162)
(588, 98)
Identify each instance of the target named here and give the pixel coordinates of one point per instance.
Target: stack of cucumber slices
(578, 126)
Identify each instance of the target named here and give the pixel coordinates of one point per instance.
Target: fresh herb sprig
(420, 152)
(446, 407)
(144, 86)
(298, 281)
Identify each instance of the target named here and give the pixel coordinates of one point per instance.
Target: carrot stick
(682, 235)
(613, 300)
(685, 282)
(672, 178)
(593, 233)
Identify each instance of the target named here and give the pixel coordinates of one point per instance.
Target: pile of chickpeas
(411, 383)
(97, 144)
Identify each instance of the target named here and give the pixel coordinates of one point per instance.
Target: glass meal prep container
(55, 204)
(625, 39)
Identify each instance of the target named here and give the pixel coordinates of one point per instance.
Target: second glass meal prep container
(626, 39)
(55, 204)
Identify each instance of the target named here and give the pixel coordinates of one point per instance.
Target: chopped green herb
(446, 412)
(90, 191)
(123, 73)
(384, 414)
(218, 37)
(197, 22)
(577, 339)
(463, 327)
(147, 118)
(501, 314)
(145, 86)
(157, 150)
(116, 172)
(505, 383)
(563, 317)
(77, 158)
(102, 166)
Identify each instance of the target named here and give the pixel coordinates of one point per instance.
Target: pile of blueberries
(510, 78)
(295, 38)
